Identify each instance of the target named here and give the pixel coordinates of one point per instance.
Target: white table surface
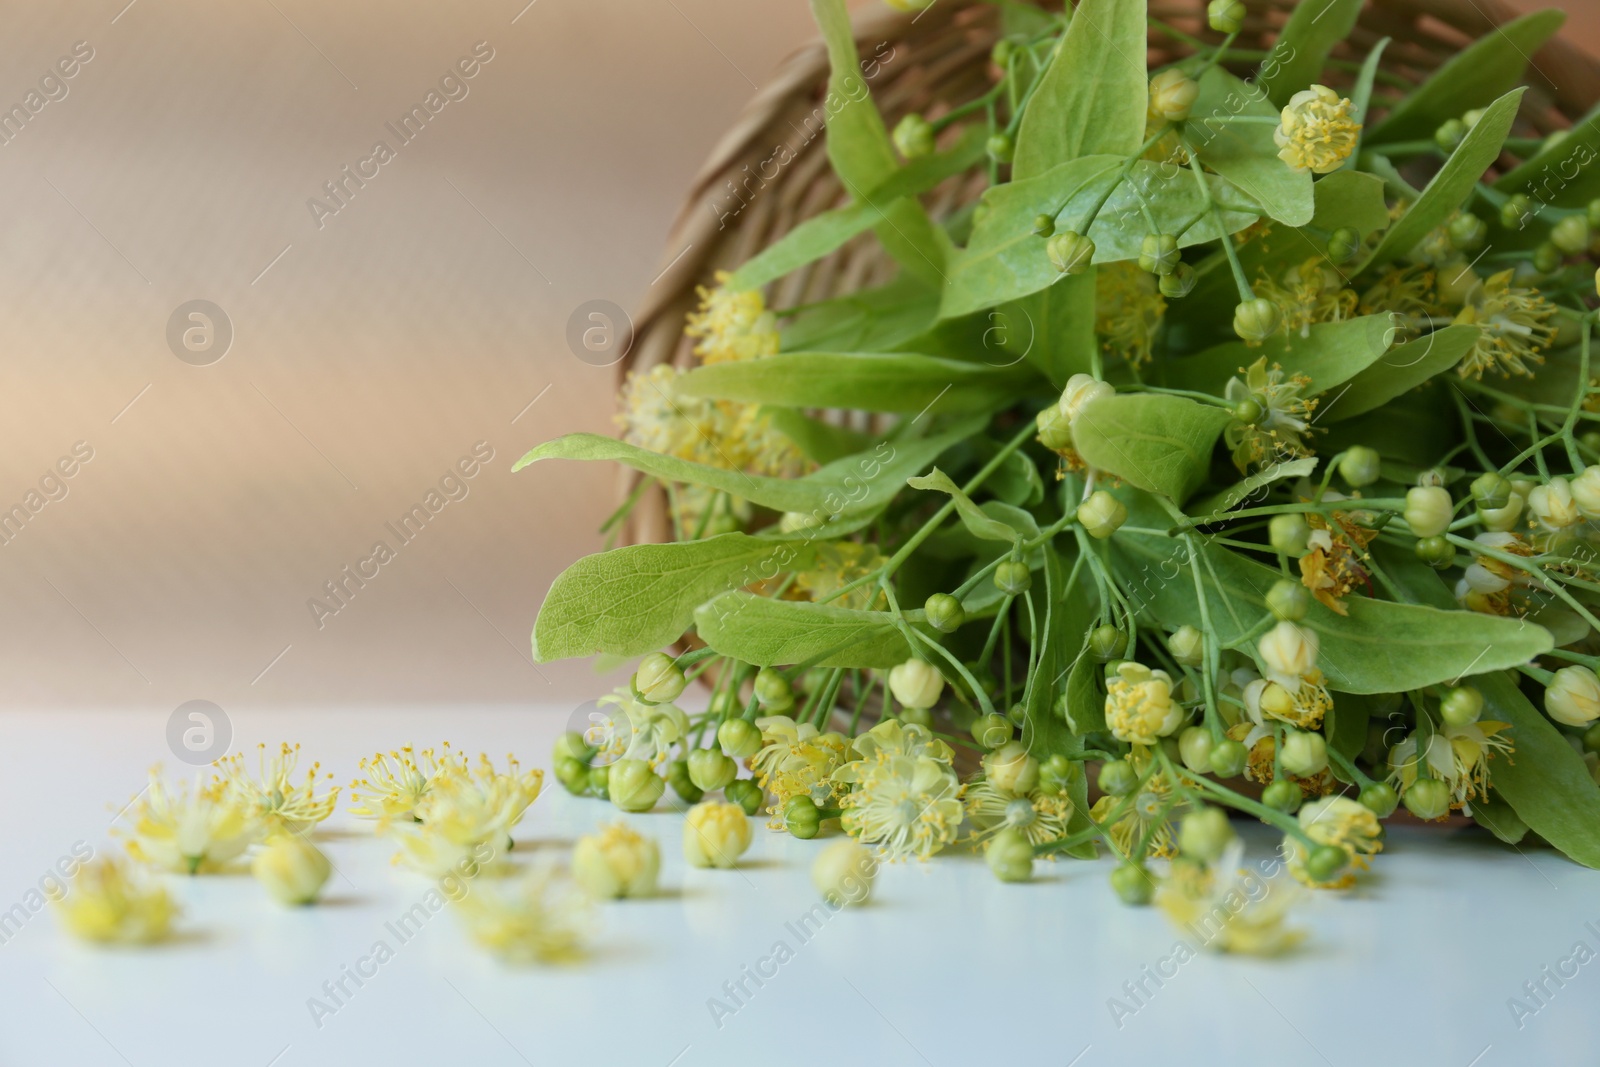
(946, 966)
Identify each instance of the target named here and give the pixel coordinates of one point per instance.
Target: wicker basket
(939, 61)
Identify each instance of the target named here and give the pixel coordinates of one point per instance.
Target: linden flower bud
(916, 683)
(1361, 466)
(1343, 244)
(1101, 515)
(617, 862)
(1502, 520)
(1304, 754)
(1289, 534)
(1139, 705)
(1180, 282)
(715, 835)
(773, 690)
(634, 785)
(1491, 491)
(1188, 646)
(844, 871)
(1055, 428)
(710, 770)
(1552, 505)
(1317, 130)
(1586, 493)
(1069, 252)
(1571, 235)
(1194, 748)
(1226, 16)
(1010, 768)
(1158, 254)
(1468, 232)
(1256, 320)
(1288, 651)
(1514, 212)
(292, 869)
(1081, 391)
(1428, 510)
(1044, 226)
(1289, 600)
(1205, 834)
(659, 680)
(1573, 696)
(1450, 134)
(944, 611)
(1010, 856)
(1172, 95)
(739, 738)
(913, 136)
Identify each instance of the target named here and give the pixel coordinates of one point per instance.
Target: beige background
(369, 355)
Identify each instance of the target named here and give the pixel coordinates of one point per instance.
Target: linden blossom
(343, 188)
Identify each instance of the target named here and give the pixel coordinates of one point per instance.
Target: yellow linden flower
(1336, 821)
(1230, 908)
(732, 324)
(1041, 817)
(466, 812)
(1317, 130)
(1408, 292)
(275, 800)
(648, 732)
(1331, 569)
(795, 760)
(1514, 327)
(1304, 707)
(109, 904)
(891, 737)
(616, 862)
(1128, 310)
(1145, 817)
(189, 829)
(906, 806)
(715, 834)
(397, 782)
(1261, 751)
(1456, 755)
(1307, 294)
(1139, 705)
(543, 918)
(1281, 430)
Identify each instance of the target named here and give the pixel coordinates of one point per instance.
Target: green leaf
(1092, 99)
(1245, 153)
(1450, 188)
(1361, 97)
(1252, 487)
(769, 633)
(978, 523)
(1350, 198)
(1499, 818)
(1473, 77)
(1347, 725)
(1330, 354)
(637, 599)
(848, 486)
(863, 381)
(1564, 165)
(1297, 59)
(1006, 260)
(872, 320)
(1157, 442)
(861, 153)
(1401, 369)
(822, 442)
(1053, 329)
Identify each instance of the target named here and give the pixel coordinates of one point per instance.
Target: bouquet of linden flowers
(1236, 449)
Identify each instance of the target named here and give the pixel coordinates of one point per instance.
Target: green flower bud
(1107, 643)
(1282, 795)
(1591, 738)
(739, 738)
(1001, 148)
(1592, 213)
(682, 784)
(572, 744)
(1256, 320)
(1547, 258)
(1325, 862)
(1171, 97)
(1436, 552)
(1017, 715)
(745, 793)
(1009, 767)
(1055, 428)
(1428, 798)
(1473, 117)
(1205, 834)
(773, 691)
(617, 862)
(913, 136)
(843, 873)
(658, 680)
(1000, 55)
(1013, 578)
(573, 775)
(1158, 254)
(600, 781)
(1010, 856)
(1228, 758)
(710, 769)
(991, 731)
(1070, 253)
(1057, 774)
(291, 868)
(1361, 466)
(944, 611)
(1288, 600)
(1118, 778)
(1573, 697)
(1380, 799)
(1571, 235)
(1133, 884)
(916, 683)
(1491, 491)
(1428, 510)
(1289, 534)
(1461, 706)
(916, 716)
(1101, 515)
(1226, 16)
(634, 785)
(1468, 232)
(1044, 226)
(1188, 646)
(802, 817)
(1194, 746)
(715, 835)
(1180, 282)
(1304, 753)
(1343, 244)
(1515, 211)
(1450, 134)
